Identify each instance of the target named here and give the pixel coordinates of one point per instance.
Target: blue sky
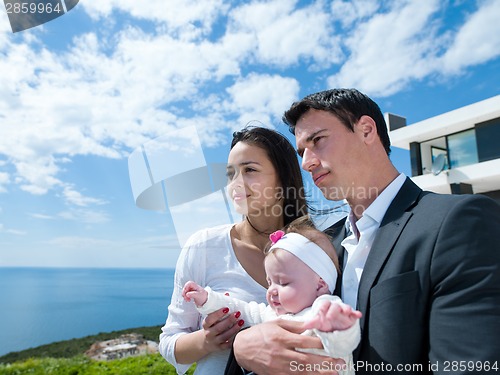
(79, 94)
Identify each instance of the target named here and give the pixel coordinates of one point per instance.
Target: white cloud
(406, 43)
(262, 97)
(390, 49)
(85, 216)
(4, 180)
(347, 12)
(11, 231)
(284, 35)
(41, 216)
(179, 15)
(74, 197)
(73, 242)
(477, 41)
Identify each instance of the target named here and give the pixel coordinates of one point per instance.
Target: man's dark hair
(348, 105)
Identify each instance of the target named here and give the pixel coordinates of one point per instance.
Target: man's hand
(269, 349)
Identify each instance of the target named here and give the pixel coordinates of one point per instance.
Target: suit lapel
(338, 232)
(394, 221)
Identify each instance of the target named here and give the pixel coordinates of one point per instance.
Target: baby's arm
(193, 291)
(344, 334)
(251, 312)
(332, 315)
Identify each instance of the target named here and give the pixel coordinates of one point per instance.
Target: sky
(82, 93)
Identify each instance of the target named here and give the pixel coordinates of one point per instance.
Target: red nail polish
(241, 322)
(225, 310)
(237, 315)
(226, 294)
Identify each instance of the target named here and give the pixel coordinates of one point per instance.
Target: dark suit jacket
(430, 289)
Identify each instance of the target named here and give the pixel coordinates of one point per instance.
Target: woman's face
(253, 183)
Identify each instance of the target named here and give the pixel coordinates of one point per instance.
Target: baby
(301, 277)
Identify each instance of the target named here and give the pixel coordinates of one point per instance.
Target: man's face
(331, 153)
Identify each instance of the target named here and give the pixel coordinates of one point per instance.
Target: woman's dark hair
(348, 105)
(284, 159)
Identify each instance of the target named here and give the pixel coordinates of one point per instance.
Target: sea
(44, 305)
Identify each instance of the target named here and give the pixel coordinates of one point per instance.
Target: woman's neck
(256, 230)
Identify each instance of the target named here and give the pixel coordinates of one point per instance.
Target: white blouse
(208, 259)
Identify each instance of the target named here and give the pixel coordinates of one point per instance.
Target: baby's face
(293, 286)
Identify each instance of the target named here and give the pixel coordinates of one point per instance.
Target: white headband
(311, 254)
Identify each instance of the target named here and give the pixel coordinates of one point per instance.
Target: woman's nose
(236, 181)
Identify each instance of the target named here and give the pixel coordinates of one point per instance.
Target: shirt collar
(379, 206)
(376, 211)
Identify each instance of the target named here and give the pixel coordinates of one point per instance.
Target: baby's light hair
(305, 227)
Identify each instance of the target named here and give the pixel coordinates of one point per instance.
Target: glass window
(462, 148)
(488, 137)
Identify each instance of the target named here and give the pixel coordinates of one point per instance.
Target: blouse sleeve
(183, 317)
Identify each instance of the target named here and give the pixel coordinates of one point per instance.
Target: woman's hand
(217, 333)
(219, 329)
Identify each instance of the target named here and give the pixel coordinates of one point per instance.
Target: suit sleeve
(464, 311)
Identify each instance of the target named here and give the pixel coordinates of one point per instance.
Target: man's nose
(309, 160)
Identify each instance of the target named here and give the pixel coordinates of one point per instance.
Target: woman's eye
(249, 170)
(230, 175)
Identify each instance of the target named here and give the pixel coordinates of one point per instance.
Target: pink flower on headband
(276, 236)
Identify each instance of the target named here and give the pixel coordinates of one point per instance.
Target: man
(423, 268)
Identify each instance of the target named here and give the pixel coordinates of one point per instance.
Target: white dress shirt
(360, 240)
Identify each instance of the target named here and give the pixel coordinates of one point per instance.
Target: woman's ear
(322, 288)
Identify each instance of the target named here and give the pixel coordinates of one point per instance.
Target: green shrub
(81, 365)
(71, 348)
(67, 358)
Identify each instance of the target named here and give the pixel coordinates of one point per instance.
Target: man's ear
(367, 129)
(322, 288)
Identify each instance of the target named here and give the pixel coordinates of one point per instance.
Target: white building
(457, 152)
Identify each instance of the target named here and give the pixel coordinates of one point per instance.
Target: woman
(265, 185)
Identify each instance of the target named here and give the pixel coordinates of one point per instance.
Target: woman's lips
(239, 197)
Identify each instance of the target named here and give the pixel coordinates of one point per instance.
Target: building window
(462, 149)
(488, 135)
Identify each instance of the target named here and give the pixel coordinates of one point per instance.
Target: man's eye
(315, 140)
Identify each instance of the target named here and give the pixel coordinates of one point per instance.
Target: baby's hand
(333, 316)
(193, 291)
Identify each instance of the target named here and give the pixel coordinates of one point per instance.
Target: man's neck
(366, 195)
